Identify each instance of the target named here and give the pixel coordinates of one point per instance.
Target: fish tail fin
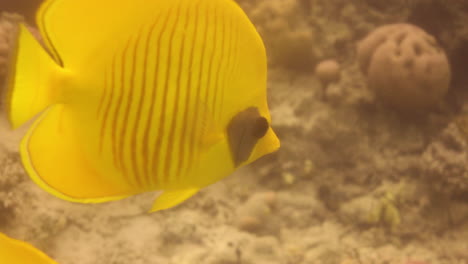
(28, 90)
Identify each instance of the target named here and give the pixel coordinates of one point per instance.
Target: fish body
(138, 95)
(14, 251)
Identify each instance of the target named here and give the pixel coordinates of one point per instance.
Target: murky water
(373, 164)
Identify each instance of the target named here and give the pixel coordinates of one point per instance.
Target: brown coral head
(405, 66)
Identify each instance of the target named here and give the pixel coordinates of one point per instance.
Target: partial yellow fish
(139, 95)
(14, 251)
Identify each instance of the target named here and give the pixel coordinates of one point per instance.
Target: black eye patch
(244, 130)
(260, 127)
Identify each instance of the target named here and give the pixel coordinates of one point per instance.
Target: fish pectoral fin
(170, 199)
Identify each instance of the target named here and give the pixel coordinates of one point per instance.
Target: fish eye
(260, 127)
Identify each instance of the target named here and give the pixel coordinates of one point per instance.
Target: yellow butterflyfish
(139, 95)
(14, 251)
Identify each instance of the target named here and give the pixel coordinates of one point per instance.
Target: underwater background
(369, 99)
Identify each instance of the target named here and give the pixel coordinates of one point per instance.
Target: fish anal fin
(172, 198)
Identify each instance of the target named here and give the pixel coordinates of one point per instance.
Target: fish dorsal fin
(170, 199)
(75, 31)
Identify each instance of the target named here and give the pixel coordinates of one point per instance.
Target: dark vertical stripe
(185, 121)
(172, 65)
(118, 88)
(220, 65)
(162, 113)
(138, 120)
(195, 136)
(229, 51)
(109, 84)
(117, 113)
(170, 158)
(133, 88)
(153, 99)
(236, 51)
(104, 96)
(127, 86)
(210, 87)
(234, 54)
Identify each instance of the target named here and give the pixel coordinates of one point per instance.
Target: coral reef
(10, 176)
(446, 160)
(405, 67)
(353, 183)
(289, 40)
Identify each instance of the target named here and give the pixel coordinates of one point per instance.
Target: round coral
(288, 38)
(328, 71)
(405, 66)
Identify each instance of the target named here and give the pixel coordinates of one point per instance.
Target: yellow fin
(77, 32)
(14, 251)
(266, 145)
(28, 89)
(57, 161)
(170, 199)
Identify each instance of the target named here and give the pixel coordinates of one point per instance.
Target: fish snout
(250, 136)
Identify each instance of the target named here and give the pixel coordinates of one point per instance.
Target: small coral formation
(386, 212)
(446, 161)
(380, 209)
(256, 215)
(288, 38)
(405, 67)
(328, 71)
